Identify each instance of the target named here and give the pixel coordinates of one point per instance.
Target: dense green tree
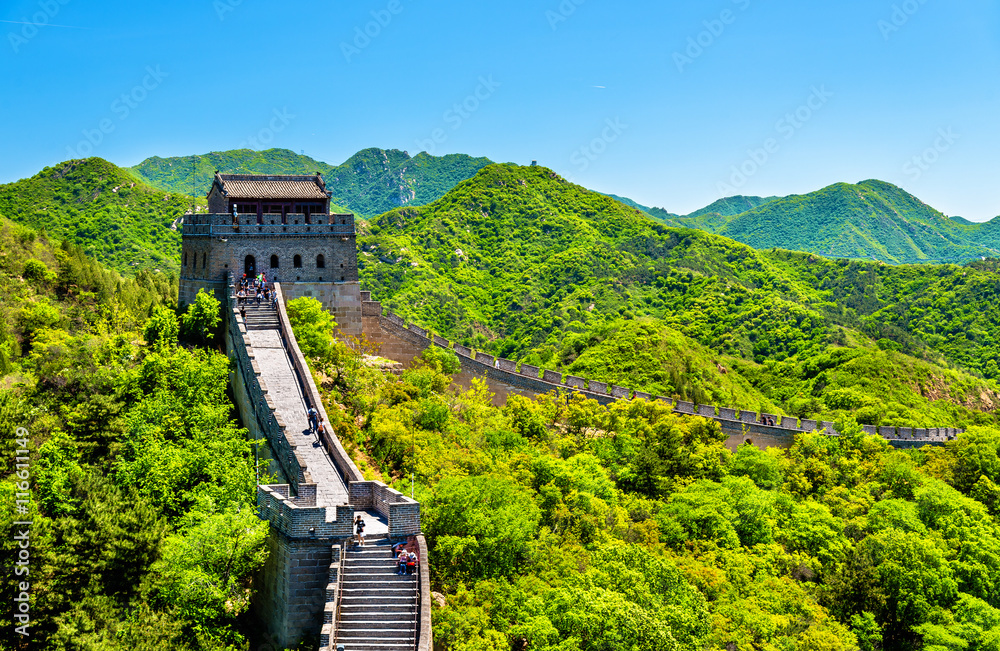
(201, 319)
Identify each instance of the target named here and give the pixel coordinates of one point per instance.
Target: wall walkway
(312, 515)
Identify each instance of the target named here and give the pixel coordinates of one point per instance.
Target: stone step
(382, 636)
(379, 593)
(373, 609)
(384, 644)
(402, 584)
(369, 559)
(377, 558)
(385, 571)
(388, 600)
(373, 564)
(389, 577)
(379, 627)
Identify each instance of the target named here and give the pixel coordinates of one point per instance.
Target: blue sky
(674, 104)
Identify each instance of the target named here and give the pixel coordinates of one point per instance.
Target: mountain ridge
(369, 183)
(872, 219)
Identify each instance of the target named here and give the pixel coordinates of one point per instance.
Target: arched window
(297, 261)
(250, 266)
(204, 260)
(320, 261)
(185, 259)
(274, 262)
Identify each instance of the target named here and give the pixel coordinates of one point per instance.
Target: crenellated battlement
(735, 421)
(299, 517)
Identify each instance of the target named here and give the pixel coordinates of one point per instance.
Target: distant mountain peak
(368, 183)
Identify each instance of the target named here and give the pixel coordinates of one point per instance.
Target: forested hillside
(518, 262)
(869, 220)
(369, 183)
(143, 530)
(559, 524)
(119, 220)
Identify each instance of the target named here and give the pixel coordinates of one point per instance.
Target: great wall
(315, 585)
(741, 425)
(310, 572)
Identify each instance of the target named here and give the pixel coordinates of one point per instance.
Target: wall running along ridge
(739, 424)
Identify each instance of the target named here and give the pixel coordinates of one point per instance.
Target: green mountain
(119, 220)
(871, 219)
(710, 218)
(987, 234)
(134, 453)
(521, 263)
(369, 183)
(731, 206)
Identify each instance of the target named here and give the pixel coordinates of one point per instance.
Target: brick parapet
(401, 512)
(502, 370)
(261, 403)
(424, 642)
(300, 518)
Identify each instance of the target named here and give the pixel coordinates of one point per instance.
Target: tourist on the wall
(401, 561)
(313, 417)
(359, 530)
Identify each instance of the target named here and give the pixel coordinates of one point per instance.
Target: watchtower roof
(249, 186)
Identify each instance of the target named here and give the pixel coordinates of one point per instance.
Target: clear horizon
(671, 106)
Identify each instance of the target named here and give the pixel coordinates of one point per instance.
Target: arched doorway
(250, 266)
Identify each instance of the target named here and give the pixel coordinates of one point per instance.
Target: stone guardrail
(401, 512)
(424, 599)
(265, 411)
(734, 421)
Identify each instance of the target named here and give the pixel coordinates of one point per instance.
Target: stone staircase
(261, 318)
(378, 608)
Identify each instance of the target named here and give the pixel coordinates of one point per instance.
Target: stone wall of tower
(342, 300)
(212, 247)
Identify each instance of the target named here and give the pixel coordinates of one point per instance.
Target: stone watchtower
(280, 226)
